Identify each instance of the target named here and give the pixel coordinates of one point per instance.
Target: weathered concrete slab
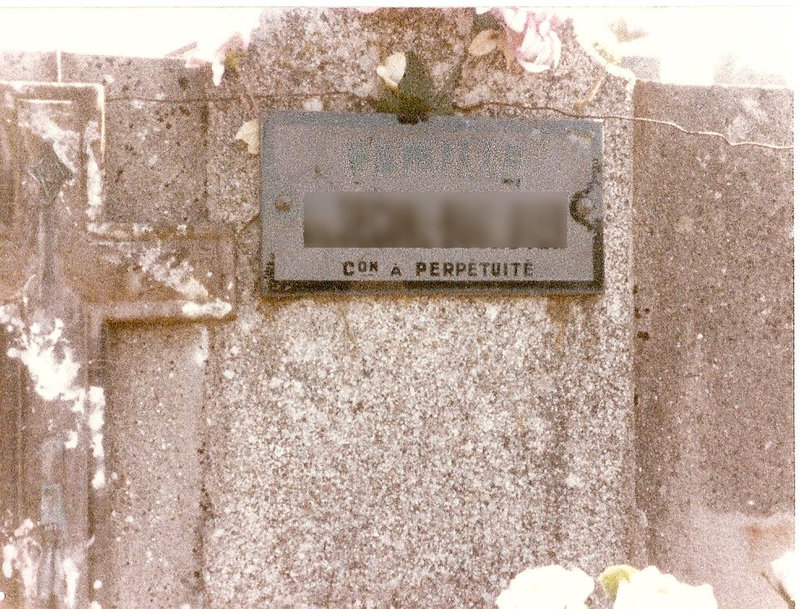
(66, 271)
(714, 276)
(151, 543)
(155, 136)
(369, 451)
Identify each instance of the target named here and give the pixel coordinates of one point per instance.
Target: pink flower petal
(531, 38)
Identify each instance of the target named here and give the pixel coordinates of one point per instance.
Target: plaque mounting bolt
(282, 204)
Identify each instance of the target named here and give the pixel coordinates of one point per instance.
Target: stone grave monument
(226, 383)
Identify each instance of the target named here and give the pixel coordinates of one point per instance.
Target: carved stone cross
(65, 272)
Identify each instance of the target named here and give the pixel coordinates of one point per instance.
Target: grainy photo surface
(397, 308)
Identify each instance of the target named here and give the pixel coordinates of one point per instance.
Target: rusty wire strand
(621, 117)
(640, 119)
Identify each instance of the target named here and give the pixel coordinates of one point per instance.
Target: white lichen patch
(94, 173)
(140, 229)
(118, 231)
(99, 228)
(787, 571)
(71, 442)
(66, 143)
(20, 554)
(95, 421)
(71, 578)
(9, 317)
(99, 479)
(10, 553)
(200, 356)
(54, 373)
(164, 269)
(176, 276)
(313, 104)
(217, 308)
(49, 361)
(249, 133)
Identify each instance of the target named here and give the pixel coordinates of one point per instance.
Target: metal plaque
(486, 205)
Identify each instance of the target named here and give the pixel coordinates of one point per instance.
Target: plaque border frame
(272, 288)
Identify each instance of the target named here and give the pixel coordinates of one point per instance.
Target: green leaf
(416, 98)
(613, 575)
(443, 101)
(387, 103)
(416, 81)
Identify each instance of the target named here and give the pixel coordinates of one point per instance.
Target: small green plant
(414, 97)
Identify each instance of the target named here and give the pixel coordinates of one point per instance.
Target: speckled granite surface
(412, 452)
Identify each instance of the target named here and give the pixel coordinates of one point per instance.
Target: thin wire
(639, 119)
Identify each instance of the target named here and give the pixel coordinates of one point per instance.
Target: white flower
(651, 589)
(786, 569)
(392, 69)
(550, 587)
